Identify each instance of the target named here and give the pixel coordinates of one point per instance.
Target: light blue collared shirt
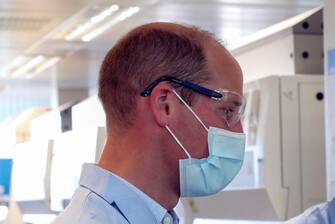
(320, 214)
(105, 198)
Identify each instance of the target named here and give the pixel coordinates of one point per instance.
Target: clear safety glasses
(230, 105)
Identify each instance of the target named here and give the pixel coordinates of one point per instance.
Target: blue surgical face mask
(207, 176)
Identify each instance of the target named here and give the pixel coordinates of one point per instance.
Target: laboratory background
(51, 121)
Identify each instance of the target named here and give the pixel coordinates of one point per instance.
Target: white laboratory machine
(30, 178)
(83, 144)
(88, 113)
(46, 126)
(72, 149)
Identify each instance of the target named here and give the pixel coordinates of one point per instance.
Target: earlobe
(161, 102)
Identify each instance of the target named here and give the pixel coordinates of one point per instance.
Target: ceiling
(32, 27)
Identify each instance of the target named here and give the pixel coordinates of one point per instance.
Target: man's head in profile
(173, 100)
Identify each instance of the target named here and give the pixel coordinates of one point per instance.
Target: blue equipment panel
(331, 62)
(5, 175)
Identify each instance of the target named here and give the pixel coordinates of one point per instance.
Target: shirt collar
(113, 188)
(159, 212)
(154, 207)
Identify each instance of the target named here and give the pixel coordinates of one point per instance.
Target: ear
(162, 100)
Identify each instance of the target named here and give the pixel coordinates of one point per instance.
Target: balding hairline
(179, 29)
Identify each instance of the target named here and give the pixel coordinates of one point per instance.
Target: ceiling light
(18, 61)
(14, 65)
(82, 28)
(122, 16)
(31, 64)
(43, 66)
(78, 31)
(104, 14)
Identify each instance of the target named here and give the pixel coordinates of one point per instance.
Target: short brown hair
(144, 55)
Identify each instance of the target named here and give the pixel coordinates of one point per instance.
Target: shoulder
(87, 207)
(320, 214)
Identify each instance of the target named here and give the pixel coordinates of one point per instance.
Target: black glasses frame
(186, 84)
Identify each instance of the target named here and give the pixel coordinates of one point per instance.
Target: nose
(237, 127)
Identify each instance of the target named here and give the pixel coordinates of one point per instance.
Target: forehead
(224, 69)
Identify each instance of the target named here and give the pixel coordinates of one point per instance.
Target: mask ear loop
(178, 142)
(190, 109)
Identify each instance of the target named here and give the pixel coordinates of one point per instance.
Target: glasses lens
(230, 107)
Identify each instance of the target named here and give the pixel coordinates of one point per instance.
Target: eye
(237, 103)
(227, 112)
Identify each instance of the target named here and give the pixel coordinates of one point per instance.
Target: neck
(143, 166)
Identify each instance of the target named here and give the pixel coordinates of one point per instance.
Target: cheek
(237, 128)
(196, 134)
(192, 135)
(198, 143)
